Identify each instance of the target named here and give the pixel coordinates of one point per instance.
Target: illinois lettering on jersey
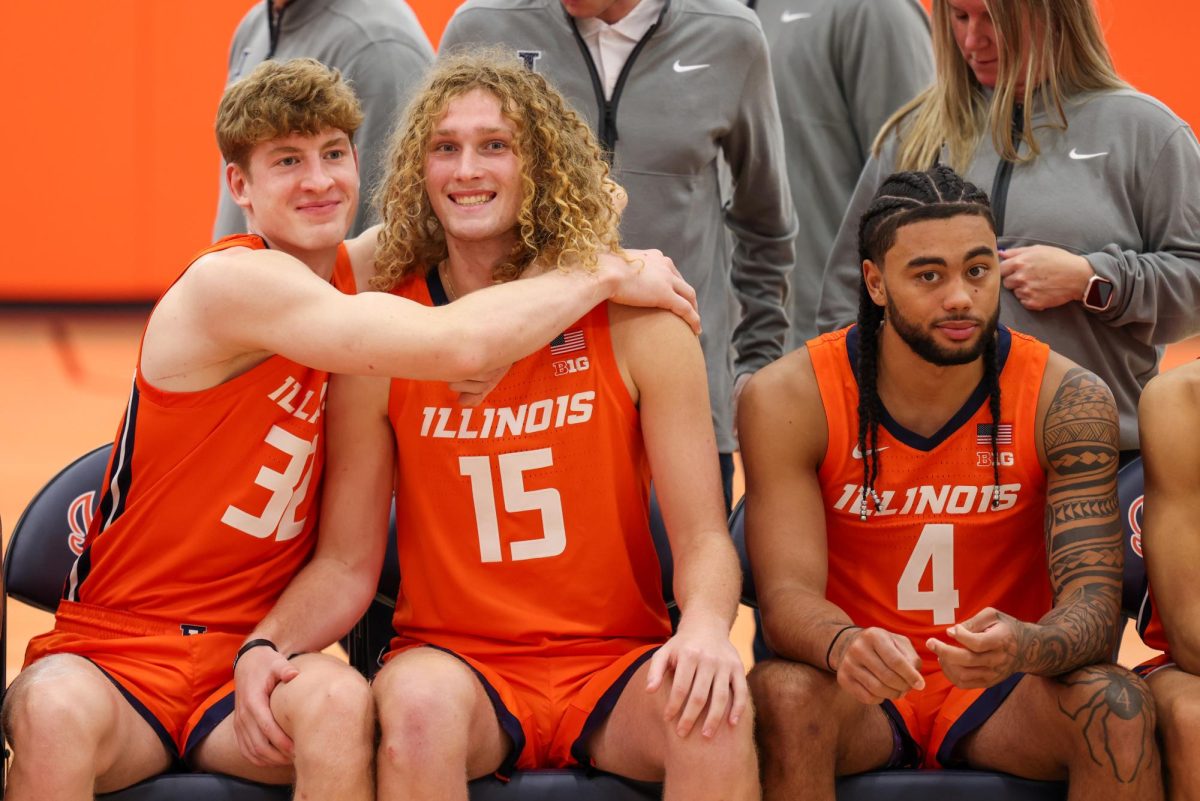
(522, 524)
(209, 503)
(935, 550)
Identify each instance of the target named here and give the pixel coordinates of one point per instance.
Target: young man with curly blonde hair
(531, 629)
(206, 536)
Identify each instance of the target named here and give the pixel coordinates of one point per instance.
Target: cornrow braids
(991, 380)
(870, 319)
(902, 199)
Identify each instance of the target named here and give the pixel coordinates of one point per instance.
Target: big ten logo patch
(1004, 459)
(568, 366)
(79, 518)
(1135, 524)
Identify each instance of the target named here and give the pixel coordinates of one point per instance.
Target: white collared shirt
(611, 45)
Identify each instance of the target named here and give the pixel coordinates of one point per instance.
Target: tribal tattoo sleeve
(1083, 535)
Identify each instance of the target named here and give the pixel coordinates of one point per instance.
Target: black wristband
(833, 642)
(252, 644)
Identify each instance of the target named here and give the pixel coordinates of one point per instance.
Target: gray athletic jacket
(1121, 187)
(378, 45)
(698, 86)
(841, 68)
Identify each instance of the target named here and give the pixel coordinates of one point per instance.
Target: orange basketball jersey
(523, 524)
(936, 552)
(209, 503)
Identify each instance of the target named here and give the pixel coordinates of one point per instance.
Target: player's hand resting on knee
(990, 649)
(259, 736)
(876, 665)
(707, 673)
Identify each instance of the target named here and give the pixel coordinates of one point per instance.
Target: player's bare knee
(726, 757)
(419, 709)
(334, 695)
(52, 702)
(790, 693)
(1179, 722)
(421, 712)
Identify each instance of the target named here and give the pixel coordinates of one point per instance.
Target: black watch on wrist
(1098, 295)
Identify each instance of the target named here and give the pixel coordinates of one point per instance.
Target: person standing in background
(1091, 184)
(841, 68)
(670, 87)
(377, 45)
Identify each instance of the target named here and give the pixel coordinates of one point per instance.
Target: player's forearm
(1080, 630)
(505, 323)
(378, 334)
(319, 606)
(708, 580)
(802, 626)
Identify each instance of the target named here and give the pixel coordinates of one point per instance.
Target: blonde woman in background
(1091, 182)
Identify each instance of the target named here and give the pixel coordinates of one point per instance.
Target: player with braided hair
(945, 603)
(899, 201)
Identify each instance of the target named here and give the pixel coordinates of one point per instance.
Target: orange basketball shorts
(179, 680)
(549, 705)
(928, 725)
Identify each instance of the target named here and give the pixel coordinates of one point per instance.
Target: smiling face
(473, 172)
(299, 191)
(940, 284)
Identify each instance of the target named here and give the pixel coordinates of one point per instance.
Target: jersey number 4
(288, 489)
(935, 551)
(516, 499)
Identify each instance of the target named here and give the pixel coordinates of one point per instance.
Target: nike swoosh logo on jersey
(1075, 154)
(689, 67)
(858, 454)
(792, 16)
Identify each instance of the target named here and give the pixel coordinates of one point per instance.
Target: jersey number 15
(516, 499)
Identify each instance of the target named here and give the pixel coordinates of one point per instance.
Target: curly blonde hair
(566, 213)
(298, 96)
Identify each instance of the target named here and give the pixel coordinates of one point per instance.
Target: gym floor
(70, 370)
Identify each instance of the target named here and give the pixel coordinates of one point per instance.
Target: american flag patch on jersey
(985, 431)
(567, 342)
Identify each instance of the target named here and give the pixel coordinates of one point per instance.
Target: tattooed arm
(1083, 532)
(1077, 440)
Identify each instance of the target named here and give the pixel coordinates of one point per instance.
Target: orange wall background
(112, 171)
